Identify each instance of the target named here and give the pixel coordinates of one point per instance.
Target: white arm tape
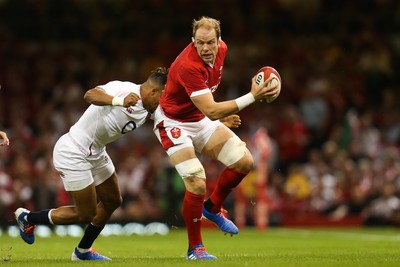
(118, 101)
(244, 100)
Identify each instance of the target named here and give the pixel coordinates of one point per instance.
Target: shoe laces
(93, 251)
(222, 213)
(200, 252)
(29, 229)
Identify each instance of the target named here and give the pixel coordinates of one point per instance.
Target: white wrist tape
(117, 101)
(244, 100)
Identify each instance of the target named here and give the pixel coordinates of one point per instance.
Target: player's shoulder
(222, 49)
(223, 45)
(187, 63)
(121, 83)
(192, 68)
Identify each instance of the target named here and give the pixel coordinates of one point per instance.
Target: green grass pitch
(273, 247)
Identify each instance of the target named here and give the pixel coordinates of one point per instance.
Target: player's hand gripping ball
(263, 74)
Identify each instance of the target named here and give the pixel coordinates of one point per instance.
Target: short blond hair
(208, 23)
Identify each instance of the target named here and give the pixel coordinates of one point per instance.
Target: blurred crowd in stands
(331, 141)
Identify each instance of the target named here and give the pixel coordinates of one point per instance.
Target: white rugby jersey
(100, 125)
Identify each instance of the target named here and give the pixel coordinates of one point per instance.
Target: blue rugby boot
(223, 223)
(26, 230)
(91, 255)
(199, 253)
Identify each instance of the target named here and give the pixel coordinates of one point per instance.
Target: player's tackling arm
(99, 97)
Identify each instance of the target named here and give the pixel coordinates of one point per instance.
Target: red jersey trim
(165, 140)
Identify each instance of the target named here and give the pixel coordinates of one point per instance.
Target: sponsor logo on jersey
(128, 127)
(214, 88)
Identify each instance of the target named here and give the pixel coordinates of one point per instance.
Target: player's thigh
(226, 147)
(182, 155)
(81, 188)
(106, 182)
(85, 200)
(109, 193)
(217, 141)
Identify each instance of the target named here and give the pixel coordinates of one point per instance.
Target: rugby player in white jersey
(86, 170)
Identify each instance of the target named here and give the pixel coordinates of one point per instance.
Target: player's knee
(86, 217)
(193, 175)
(245, 164)
(195, 185)
(113, 203)
(235, 154)
(118, 202)
(191, 168)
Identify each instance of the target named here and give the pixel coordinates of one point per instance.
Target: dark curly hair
(159, 75)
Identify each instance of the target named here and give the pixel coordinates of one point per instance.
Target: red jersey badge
(176, 132)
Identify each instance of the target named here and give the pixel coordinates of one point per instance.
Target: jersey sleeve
(193, 79)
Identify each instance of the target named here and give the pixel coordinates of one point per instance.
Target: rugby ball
(263, 74)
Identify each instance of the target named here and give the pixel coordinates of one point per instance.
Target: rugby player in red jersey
(189, 120)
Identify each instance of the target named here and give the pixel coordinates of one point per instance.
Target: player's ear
(219, 41)
(192, 39)
(156, 90)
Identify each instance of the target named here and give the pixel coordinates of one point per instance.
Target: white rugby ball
(263, 74)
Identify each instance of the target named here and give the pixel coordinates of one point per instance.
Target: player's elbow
(213, 115)
(88, 97)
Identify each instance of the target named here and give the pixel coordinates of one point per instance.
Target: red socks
(192, 203)
(192, 213)
(227, 180)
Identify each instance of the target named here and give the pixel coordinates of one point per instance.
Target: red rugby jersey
(188, 74)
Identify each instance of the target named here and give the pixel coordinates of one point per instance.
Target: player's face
(206, 43)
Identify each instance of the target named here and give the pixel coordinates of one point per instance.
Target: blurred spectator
(137, 180)
(292, 137)
(384, 209)
(297, 184)
(315, 112)
(7, 196)
(251, 198)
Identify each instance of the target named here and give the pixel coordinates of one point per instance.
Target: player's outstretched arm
(99, 97)
(214, 110)
(217, 110)
(5, 141)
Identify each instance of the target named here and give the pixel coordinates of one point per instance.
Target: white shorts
(175, 135)
(76, 169)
